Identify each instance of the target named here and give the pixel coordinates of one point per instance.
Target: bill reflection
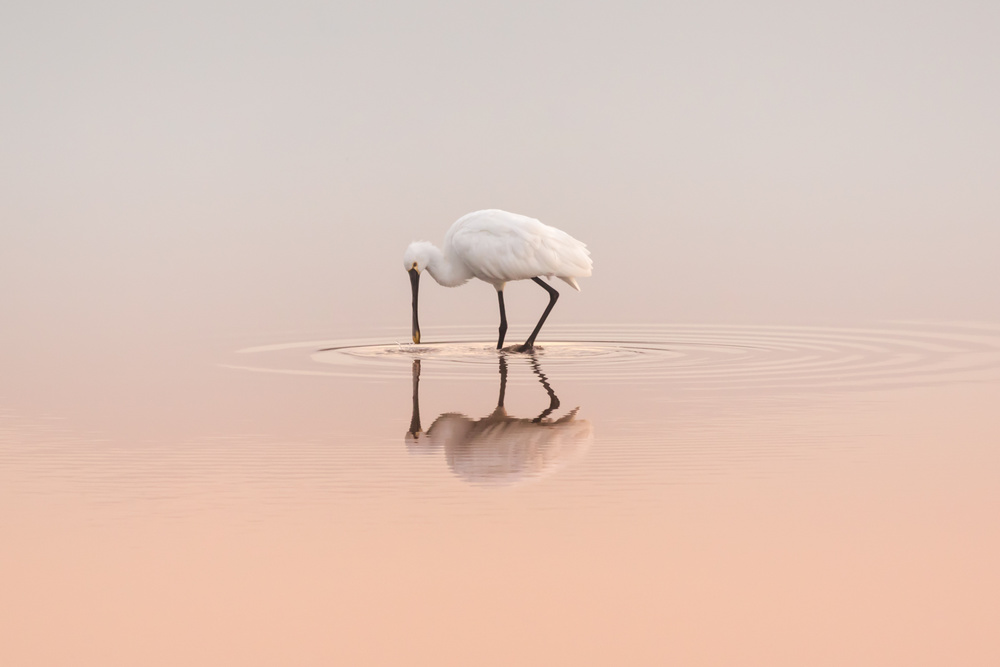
(500, 449)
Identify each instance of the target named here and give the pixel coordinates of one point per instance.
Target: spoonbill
(498, 247)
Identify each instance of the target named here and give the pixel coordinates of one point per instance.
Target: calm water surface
(701, 494)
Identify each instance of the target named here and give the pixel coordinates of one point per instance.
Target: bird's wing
(498, 246)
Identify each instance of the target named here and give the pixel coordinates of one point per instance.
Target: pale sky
(231, 167)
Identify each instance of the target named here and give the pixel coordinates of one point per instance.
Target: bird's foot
(520, 349)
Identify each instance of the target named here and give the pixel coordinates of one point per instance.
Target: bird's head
(418, 256)
(415, 259)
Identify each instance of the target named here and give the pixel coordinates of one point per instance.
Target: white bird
(498, 247)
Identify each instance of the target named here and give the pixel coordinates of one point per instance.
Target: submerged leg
(503, 319)
(553, 296)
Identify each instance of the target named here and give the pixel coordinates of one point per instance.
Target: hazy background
(233, 168)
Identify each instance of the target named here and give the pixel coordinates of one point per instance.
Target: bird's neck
(447, 270)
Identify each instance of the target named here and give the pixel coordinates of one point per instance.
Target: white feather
(498, 247)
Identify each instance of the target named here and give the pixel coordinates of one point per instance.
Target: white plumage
(498, 247)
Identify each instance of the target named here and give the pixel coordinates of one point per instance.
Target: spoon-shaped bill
(415, 284)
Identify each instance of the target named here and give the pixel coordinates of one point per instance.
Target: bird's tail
(572, 282)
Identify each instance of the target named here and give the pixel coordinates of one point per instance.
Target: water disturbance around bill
(688, 356)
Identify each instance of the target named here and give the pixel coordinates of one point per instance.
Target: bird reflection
(500, 449)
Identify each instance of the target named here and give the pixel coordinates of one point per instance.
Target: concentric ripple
(693, 356)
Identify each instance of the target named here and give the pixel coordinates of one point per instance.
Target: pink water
(701, 494)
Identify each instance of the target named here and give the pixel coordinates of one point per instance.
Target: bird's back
(498, 247)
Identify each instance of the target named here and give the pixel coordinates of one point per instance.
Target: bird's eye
(414, 265)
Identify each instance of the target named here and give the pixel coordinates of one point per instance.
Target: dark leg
(553, 296)
(503, 319)
(415, 419)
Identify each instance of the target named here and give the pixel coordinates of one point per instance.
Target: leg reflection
(500, 448)
(503, 380)
(553, 399)
(415, 418)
